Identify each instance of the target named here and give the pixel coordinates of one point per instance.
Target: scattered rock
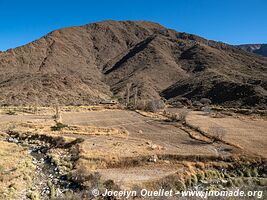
(14, 140)
(154, 146)
(153, 158)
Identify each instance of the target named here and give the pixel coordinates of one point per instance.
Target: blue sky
(230, 21)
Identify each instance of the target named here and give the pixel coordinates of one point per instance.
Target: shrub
(174, 117)
(58, 126)
(32, 196)
(240, 173)
(141, 105)
(52, 190)
(11, 112)
(182, 115)
(205, 101)
(226, 175)
(206, 110)
(262, 182)
(200, 176)
(254, 172)
(248, 181)
(154, 105)
(237, 182)
(188, 182)
(194, 179)
(229, 183)
(247, 172)
(211, 174)
(178, 104)
(110, 185)
(179, 185)
(217, 133)
(197, 104)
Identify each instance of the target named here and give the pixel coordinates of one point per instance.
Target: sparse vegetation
(151, 105)
(206, 110)
(182, 116)
(217, 133)
(135, 96)
(105, 153)
(59, 126)
(205, 101)
(128, 88)
(105, 145)
(180, 185)
(11, 112)
(35, 107)
(52, 190)
(32, 196)
(57, 115)
(16, 170)
(200, 175)
(197, 105)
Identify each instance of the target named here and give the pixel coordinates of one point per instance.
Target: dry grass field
(45, 158)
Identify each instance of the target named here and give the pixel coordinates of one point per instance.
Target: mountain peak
(86, 64)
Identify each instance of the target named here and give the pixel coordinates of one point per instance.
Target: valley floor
(113, 148)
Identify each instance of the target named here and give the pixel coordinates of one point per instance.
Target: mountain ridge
(86, 64)
(260, 49)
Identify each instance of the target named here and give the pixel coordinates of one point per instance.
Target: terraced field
(128, 149)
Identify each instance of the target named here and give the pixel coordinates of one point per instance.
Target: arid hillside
(260, 49)
(86, 64)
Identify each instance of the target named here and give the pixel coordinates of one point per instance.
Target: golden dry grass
(42, 128)
(16, 170)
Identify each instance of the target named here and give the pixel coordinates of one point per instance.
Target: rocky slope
(86, 64)
(260, 49)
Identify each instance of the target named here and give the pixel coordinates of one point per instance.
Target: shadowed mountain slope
(260, 49)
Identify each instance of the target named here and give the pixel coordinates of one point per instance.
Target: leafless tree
(128, 87)
(57, 115)
(35, 106)
(135, 96)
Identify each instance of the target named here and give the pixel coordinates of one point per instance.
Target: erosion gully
(48, 181)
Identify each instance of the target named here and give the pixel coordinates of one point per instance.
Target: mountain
(85, 64)
(260, 49)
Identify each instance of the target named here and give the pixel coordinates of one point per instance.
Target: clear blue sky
(230, 21)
